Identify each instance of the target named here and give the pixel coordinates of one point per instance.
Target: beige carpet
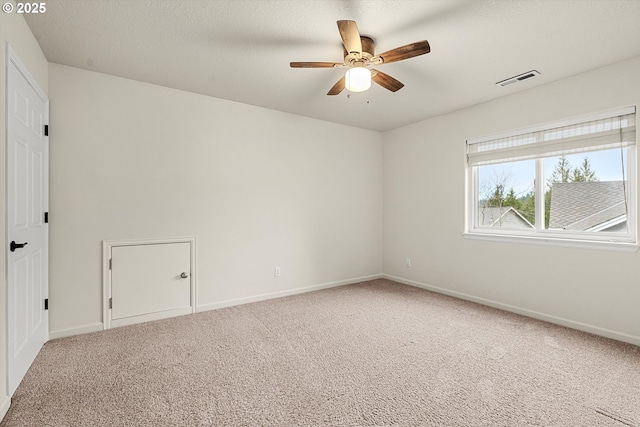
(376, 353)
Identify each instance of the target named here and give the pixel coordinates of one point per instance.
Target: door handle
(13, 246)
(184, 275)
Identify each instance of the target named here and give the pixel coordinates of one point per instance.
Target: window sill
(553, 241)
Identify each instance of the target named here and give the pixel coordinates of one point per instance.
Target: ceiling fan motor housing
(368, 47)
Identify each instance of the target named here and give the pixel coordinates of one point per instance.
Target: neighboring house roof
(505, 216)
(588, 206)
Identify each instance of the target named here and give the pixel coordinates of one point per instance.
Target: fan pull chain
(367, 101)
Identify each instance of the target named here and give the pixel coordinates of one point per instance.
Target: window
(571, 182)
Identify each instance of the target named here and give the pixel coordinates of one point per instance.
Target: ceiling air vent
(518, 78)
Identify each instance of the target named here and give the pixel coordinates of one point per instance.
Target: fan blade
(386, 81)
(403, 52)
(337, 88)
(350, 36)
(315, 64)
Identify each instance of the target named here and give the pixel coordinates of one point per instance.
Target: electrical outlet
(276, 272)
(407, 262)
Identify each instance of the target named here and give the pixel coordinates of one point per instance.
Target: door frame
(107, 245)
(12, 58)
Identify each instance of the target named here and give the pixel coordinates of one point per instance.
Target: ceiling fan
(359, 58)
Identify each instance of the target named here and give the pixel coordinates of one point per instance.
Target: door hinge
(110, 263)
(46, 304)
(46, 217)
(46, 130)
(110, 303)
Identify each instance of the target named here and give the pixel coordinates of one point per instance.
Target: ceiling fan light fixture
(357, 79)
(359, 57)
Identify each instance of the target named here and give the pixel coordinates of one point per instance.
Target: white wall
(256, 187)
(424, 184)
(13, 30)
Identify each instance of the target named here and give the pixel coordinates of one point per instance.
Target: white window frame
(587, 239)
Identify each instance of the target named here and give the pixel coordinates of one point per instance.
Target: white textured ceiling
(240, 50)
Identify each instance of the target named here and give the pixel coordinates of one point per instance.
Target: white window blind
(605, 131)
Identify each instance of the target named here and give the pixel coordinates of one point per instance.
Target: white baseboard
(98, 326)
(4, 406)
(585, 327)
(279, 294)
(84, 329)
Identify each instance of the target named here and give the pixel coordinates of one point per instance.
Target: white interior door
(27, 199)
(149, 282)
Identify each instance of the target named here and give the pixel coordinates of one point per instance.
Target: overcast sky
(520, 175)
